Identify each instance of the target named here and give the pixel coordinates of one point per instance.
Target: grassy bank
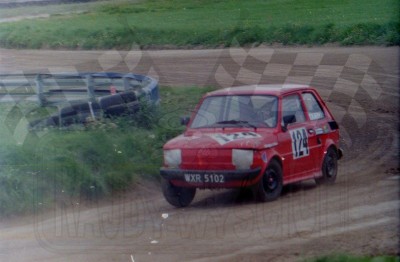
(46, 167)
(211, 23)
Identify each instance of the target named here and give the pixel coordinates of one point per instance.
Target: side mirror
(289, 119)
(185, 120)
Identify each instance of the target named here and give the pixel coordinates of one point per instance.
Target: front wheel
(270, 185)
(177, 196)
(329, 168)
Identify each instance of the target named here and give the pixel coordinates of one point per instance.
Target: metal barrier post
(90, 87)
(126, 83)
(39, 90)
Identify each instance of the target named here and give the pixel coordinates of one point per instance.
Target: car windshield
(237, 110)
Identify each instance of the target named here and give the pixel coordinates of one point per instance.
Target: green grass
(212, 23)
(54, 167)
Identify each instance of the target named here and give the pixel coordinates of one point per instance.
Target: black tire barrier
(110, 101)
(128, 96)
(126, 102)
(116, 110)
(121, 109)
(79, 113)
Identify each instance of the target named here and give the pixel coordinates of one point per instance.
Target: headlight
(173, 158)
(242, 159)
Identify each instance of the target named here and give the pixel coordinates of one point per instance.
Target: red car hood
(224, 138)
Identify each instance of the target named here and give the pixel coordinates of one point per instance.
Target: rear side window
(314, 109)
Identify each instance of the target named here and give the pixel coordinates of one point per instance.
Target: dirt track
(358, 215)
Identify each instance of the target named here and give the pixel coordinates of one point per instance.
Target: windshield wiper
(236, 122)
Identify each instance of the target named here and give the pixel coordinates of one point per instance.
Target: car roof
(276, 90)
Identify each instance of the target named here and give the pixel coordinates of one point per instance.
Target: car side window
(314, 109)
(291, 105)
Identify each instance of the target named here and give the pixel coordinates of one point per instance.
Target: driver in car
(267, 114)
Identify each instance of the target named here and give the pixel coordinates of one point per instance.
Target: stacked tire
(119, 104)
(79, 112)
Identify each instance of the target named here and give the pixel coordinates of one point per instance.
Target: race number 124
(299, 143)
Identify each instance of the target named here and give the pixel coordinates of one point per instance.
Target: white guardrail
(81, 94)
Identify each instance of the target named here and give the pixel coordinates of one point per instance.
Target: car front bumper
(211, 178)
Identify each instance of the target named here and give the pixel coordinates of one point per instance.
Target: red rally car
(262, 137)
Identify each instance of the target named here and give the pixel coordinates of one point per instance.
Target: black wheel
(177, 196)
(270, 185)
(329, 168)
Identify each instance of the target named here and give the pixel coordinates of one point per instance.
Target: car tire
(117, 110)
(329, 168)
(128, 96)
(177, 196)
(106, 102)
(270, 185)
(68, 111)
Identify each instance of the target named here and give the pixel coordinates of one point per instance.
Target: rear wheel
(177, 196)
(329, 168)
(270, 185)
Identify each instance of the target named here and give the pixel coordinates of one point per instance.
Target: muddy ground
(357, 215)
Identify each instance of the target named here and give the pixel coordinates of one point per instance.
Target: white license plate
(207, 178)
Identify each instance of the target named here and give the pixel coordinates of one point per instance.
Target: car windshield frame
(237, 110)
